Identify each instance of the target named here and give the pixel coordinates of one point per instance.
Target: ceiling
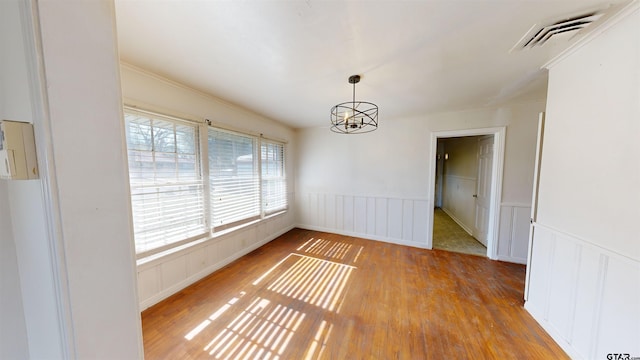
(290, 60)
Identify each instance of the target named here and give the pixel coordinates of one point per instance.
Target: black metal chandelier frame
(354, 117)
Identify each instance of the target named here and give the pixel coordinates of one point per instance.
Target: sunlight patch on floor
(314, 281)
(265, 327)
(213, 316)
(262, 330)
(319, 341)
(321, 247)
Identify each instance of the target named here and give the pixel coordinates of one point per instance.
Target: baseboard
(555, 335)
(207, 271)
(584, 295)
(512, 259)
(364, 236)
(457, 221)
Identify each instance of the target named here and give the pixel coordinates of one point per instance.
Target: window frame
(198, 182)
(275, 210)
(257, 173)
(202, 129)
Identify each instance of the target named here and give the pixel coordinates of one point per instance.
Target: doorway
(482, 211)
(462, 193)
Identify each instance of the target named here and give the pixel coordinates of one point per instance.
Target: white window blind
(233, 178)
(167, 194)
(274, 186)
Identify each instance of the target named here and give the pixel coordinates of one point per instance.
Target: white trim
(584, 242)
(603, 265)
(367, 196)
(177, 118)
(512, 230)
(34, 56)
(461, 177)
(616, 14)
(515, 205)
(512, 259)
(497, 169)
(540, 309)
(125, 166)
(151, 260)
(153, 117)
(203, 129)
(229, 128)
(153, 110)
(555, 334)
(176, 84)
(163, 294)
(366, 217)
(509, 234)
(203, 154)
(534, 198)
(457, 221)
(205, 95)
(389, 240)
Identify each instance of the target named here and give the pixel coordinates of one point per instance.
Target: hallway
(449, 236)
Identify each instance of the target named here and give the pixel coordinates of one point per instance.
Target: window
(274, 186)
(166, 185)
(176, 199)
(233, 178)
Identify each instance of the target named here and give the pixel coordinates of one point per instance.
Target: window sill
(145, 261)
(244, 225)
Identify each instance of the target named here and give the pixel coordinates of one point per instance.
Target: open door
(495, 194)
(483, 191)
(534, 199)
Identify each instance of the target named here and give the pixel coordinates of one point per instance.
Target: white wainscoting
(394, 220)
(458, 201)
(586, 297)
(513, 235)
(162, 277)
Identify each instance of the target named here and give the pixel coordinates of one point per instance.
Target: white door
(534, 197)
(483, 191)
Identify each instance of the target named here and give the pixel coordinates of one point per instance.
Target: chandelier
(354, 117)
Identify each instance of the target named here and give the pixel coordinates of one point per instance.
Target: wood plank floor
(313, 295)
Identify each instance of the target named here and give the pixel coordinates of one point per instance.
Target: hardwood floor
(313, 295)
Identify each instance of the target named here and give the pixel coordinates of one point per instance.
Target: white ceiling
(290, 60)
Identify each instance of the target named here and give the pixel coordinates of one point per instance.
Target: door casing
(497, 168)
(534, 200)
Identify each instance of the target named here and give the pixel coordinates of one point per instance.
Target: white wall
(381, 178)
(585, 270)
(519, 158)
(72, 226)
(153, 92)
(28, 306)
(13, 333)
(460, 180)
(160, 277)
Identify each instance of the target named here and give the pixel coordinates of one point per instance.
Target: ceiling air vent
(540, 34)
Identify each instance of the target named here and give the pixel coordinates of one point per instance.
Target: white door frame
(534, 200)
(499, 134)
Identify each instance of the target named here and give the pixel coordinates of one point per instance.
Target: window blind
(233, 178)
(167, 194)
(274, 186)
